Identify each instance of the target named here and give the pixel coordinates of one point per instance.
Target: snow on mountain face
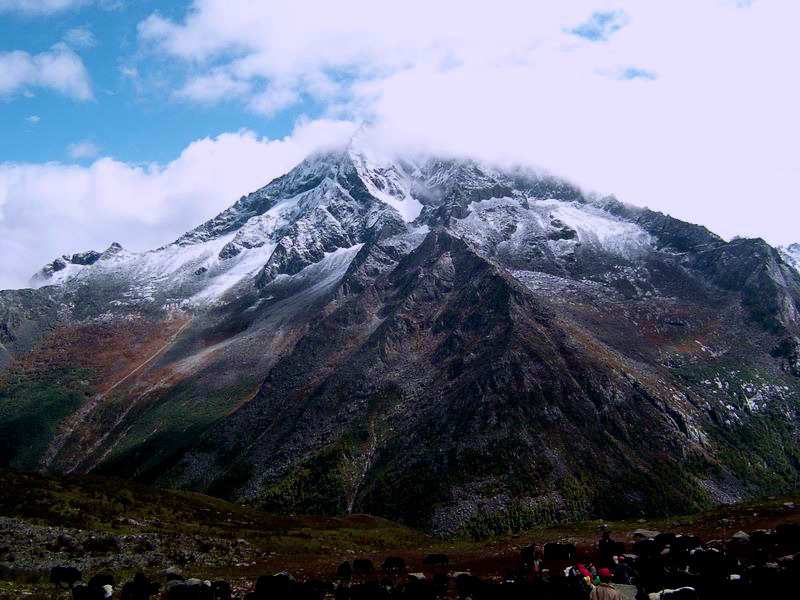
(65, 267)
(385, 181)
(318, 208)
(792, 255)
(550, 236)
(340, 199)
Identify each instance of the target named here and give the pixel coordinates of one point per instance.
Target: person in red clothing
(604, 591)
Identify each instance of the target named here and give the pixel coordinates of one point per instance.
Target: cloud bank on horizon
(685, 106)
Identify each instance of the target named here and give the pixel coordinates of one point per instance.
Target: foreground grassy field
(121, 507)
(100, 523)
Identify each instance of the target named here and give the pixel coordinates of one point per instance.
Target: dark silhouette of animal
(221, 590)
(191, 589)
(645, 548)
(684, 543)
(363, 565)
(527, 555)
(664, 539)
(344, 572)
(416, 589)
(140, 587)
(68, 575)
(394, 563)
(467, 585)
(436, 560)
(314, 590)
(273, 586)
(788, 533)
(441, 584)
(763, 540)
(83, 591)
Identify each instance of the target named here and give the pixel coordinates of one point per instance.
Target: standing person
(606, 547)
(604, 591)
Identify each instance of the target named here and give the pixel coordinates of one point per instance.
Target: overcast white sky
(686, 106)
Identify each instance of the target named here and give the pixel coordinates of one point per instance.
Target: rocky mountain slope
(513, 350)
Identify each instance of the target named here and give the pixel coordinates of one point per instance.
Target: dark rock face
(514, 351)
(85, 258)
(80, 258)
(770, 289)
(675, 234)
(789, 349)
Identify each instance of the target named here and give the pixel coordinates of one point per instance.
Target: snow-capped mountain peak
(411, 292)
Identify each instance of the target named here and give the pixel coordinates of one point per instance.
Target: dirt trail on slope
(147, 360)
(72, 422)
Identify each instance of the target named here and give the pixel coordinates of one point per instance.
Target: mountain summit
(515, 351)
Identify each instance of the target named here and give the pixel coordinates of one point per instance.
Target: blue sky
(120, 119)
(134, 120)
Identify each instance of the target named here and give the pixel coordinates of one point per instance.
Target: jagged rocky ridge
(511, 350)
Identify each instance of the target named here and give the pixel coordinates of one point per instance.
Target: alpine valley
(458, 346)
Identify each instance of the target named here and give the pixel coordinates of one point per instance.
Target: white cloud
(687, 106)
(59, 69)
(34, 119)
(80, 38)
(83, 150)
(129, 72)
(273, 99)
(213, 87)
(51, 209)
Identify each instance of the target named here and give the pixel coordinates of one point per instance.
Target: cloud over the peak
(283, 52)
(58, 69)
(51, 209)
(687, 106)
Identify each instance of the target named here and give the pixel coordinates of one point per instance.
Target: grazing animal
(221, 590)
(140, 587)
(646, 548)
(441, 584)
(467, 585)
(273, 586)
(436, 560)
(684, 543)
(394, 563)
(664, 539)
(191, 589)
(527, 554)
(344, 572)
(363, 565)
(68, 575)
(762, 539)
(83, 591)
(788, 533)
(312, 590)
(418, 589)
